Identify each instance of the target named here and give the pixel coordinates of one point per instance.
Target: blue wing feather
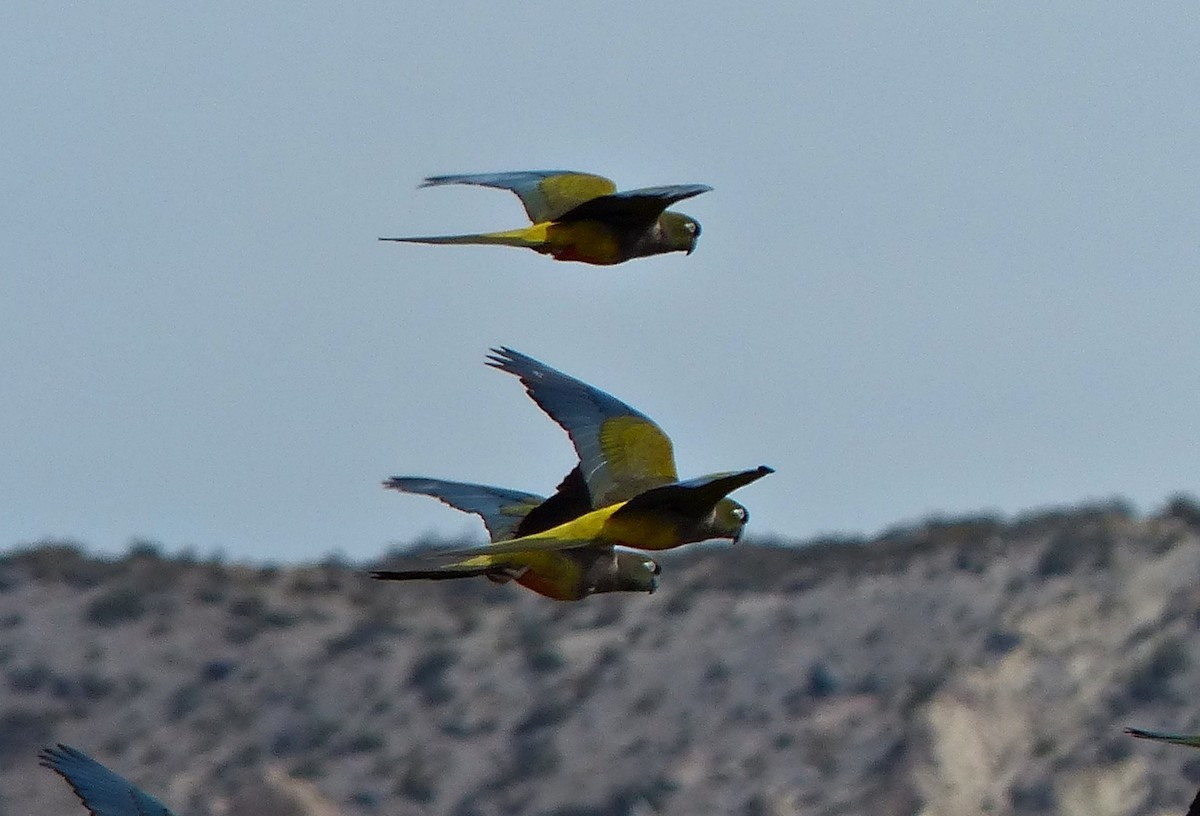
(581, 410)
(541, 203)
(101, 791)
(502, 510)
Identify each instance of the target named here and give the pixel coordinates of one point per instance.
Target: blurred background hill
(961, 666)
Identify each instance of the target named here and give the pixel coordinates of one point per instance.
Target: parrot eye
(653, 566)
(693, 227)
(741, 515)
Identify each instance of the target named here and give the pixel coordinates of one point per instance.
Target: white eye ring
(690, 226)
(739, 513)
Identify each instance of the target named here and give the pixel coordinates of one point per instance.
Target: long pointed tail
(525, 237)
(1179, 739)
(444, 574)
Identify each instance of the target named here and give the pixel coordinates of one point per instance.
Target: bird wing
(101, 791)
(641, 206)
(503, 511)
(546, 194)
(570, 501)
(692, 498)
(621, 451)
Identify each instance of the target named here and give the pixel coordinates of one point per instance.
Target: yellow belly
(586, 241)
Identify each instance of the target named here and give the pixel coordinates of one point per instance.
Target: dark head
(635, 573)
(679, 232)
(728, 520)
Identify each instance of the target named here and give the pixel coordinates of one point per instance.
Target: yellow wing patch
(638, 455)
(565, 192)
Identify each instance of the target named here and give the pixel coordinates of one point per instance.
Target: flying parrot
(628, 465)
(1192, 740)
(582, 217)
(101, 791)
(567, 575)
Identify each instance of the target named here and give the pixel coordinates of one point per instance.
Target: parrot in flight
(101, 791)
(566, 575)
(628, 466)
(582, 217)
(1192, 740)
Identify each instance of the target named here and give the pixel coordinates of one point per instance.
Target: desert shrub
(302, 735)
(211, 593)
(545, 659)
(9, 579)
(795, 702)
(1150, 682)
(310, 768)
(542, 715)
(540, 653)
(649, 702)
(215, 671)
(428, 676)
(1033, 797)
(1185, 508)
(22, 732)
(367, 633)
(822, 682)
(144, 548)
(681, 601)
(247, 606)
(717, 672)
(534, 755)
(62, 562)
(418, 778)
(94, 687)
(251, 617)
(116, 606)
(1077, 547)
(183, 701)
(29, 679)
(1000, 642)
(366, 742)
(368, 800)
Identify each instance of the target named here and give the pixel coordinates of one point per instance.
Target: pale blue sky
(951, 262)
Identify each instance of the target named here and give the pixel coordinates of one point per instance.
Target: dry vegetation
(955, 667)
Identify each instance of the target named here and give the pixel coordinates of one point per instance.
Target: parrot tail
(1179, 739)
(486, 565)
(525, 237)
(432, 574)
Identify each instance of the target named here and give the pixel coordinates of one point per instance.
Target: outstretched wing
(570, 501)
(621, 451)
(655, 510)
(101, 791)
(546, 194)
(633, 206)
(502, 510)
(693, 498)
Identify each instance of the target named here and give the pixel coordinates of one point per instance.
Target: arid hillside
(974, 666)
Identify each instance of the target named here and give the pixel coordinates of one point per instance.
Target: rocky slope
(957, 667)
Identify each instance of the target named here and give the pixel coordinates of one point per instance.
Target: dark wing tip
(49, 755)
(507, 359)
(763, 470)
(1139, 733)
